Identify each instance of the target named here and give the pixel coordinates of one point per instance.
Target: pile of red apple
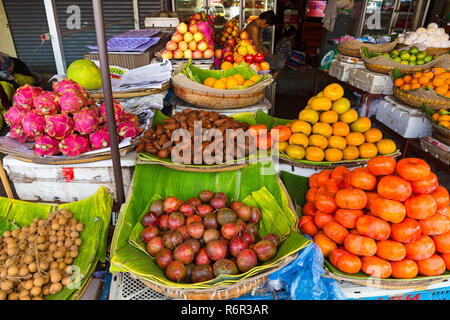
(203, 238)
(188, 42)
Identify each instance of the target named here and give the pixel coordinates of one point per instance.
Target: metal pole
(136, 14)
(55, 35)
(108, 99)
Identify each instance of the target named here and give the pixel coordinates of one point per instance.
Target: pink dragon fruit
(24, 96)
(119, 113)
(46, 146)
(127, 129)
(14, 115)
(74, 144)
(59, 125)
(18, 133)
(132, 117)
(68, 85)
(100, 138)
(33, 124)
(71, 102)
(86, 121)
(47, 103)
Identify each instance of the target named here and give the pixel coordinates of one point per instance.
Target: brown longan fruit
(6, 285)
(28, 284)
(23, 271)
(3, 295)
(32, 267)
(15, 233)
(36, 291)
(38, 282)
(7, 234)
(55, 288)
(13, 271)
(13, 296)
(46, 290)
(74, 234)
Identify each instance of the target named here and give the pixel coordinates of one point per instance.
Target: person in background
(284, 48)
(255, 28)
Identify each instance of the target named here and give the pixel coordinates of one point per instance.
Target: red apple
(177, 37)
(208, 53)
(197, 16)
(183, 45)
(248, 58)
(166, 54)
(182, 28)
(231, 42)
(258, 57)
(171, 45)
(193, 28)
(197, 54)
(202, 45)
(229, 58)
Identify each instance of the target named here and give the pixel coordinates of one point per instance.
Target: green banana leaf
(292, 183)
(250, 185)
(270, 122)
(94, 212)
(159, 117)
(199, 75)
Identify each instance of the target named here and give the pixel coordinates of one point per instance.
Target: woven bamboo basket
(351, 47)
(220, 291)
(181, 167)
(382, 64)
(430, 50)
(388, 284)
(414, 99)
(332, 165)
(218, 101)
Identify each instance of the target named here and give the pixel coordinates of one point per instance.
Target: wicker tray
(416, 98)
(351, 47)
(440, 133)
(218, 101)
(430, 51)
(220, 292)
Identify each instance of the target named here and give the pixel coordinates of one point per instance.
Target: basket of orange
(386, 225)
(327, 132)
(440, 123)
(429, 87)
(234, 88)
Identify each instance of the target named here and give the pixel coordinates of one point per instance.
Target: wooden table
(365, 96)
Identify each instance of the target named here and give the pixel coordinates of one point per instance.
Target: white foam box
(406, 121)
(161, 22)
(65, 183)
(304, 172)
(341, 70)
(370, 82)
(264, 105)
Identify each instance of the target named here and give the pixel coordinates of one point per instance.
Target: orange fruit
(438, 70)
(386, 146)
(318, 140)
(432, 266)
(406, 87)
(337, 142)
(404, 269)
(368, 150)
(314, 154)
(325, 244)
(355, 138)
(373, 135)
(226, 65)
(219, 84)
(441, 90)
(428, 74)
(376, 267)
(333, 91)
(350, 153)
(239, 78)
(391, 250)
(248, 83)
(335, 232)
(424, 80)
(329, 117)
(209, 81)
(407, 78)
(333, 154)
(341, 128)
(399, 82)
(439, 81)
(231, 83)
(417, 75)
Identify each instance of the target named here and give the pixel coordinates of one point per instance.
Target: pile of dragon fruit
(64, 120)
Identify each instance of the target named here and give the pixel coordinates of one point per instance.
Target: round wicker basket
(386, 283)
(351, 47)
(216, 101)
(219, 292)
(416, 101)
(430, 50)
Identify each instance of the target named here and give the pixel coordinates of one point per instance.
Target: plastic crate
(406, 121)
(436, 148)
(371, 82)
(437, 291)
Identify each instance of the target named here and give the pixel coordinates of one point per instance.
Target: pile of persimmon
(389, 219)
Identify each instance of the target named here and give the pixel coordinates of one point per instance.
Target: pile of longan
(35, 260)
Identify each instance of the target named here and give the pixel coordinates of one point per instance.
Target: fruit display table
(365, 96)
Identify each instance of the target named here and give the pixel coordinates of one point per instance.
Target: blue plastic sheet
(303, 279)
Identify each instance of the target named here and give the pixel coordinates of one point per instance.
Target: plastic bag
(303, 280)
